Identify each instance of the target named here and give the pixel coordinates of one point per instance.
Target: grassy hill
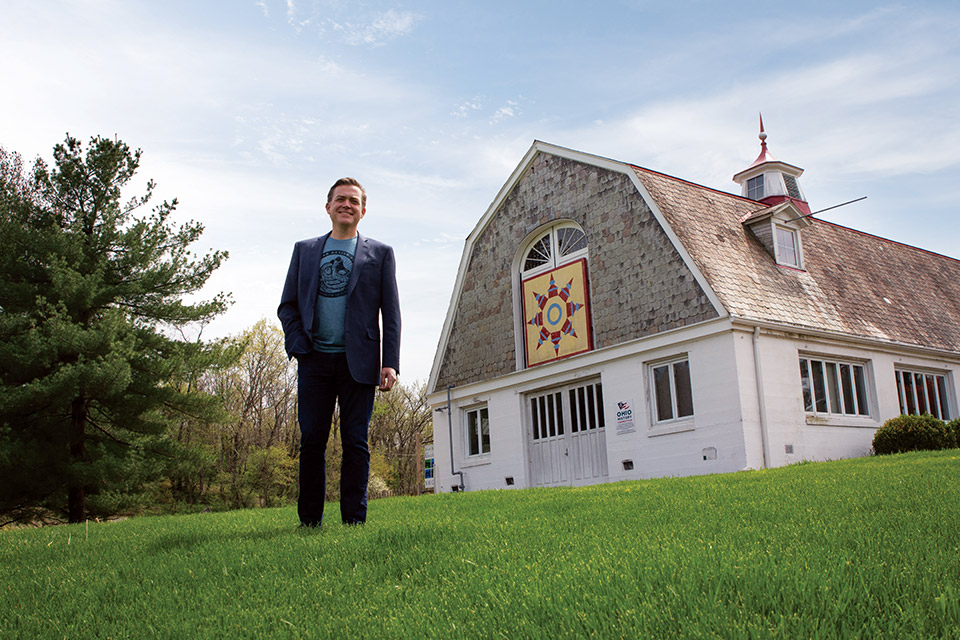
(856, 548)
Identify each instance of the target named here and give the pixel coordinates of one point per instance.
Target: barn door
(567, 436)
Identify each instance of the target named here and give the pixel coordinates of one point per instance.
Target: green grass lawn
(866, 548)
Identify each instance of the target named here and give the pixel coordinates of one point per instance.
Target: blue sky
(247, 110)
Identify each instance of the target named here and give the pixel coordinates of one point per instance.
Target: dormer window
(778, 230)
(755, 187)
(788, 247)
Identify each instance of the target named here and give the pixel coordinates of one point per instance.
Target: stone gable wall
(638, 283)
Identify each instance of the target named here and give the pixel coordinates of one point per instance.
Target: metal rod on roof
(827, 209)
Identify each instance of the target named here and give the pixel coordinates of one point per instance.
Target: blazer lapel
(359, 258)
(310, 267)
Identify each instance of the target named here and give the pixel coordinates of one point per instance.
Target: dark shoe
(309, 525)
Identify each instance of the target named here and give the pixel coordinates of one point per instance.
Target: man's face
(345, 207)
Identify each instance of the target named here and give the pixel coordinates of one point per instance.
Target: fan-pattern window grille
(555, 247)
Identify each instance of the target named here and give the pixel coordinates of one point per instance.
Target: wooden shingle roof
(853, 283)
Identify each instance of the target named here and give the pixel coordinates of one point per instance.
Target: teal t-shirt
(336, 263)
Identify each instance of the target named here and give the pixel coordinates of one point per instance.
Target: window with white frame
(755, 187)
(788, 246)
(922, 392)
(478, 431)
(834, 387)
(671, 391)
(561, 243)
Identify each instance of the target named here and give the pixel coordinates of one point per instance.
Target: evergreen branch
(128, 444)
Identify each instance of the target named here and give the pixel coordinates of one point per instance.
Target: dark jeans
(323, 380)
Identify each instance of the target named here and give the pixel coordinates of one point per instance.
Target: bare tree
(402, 423)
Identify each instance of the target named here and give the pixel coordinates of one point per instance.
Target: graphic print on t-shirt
(335, 270)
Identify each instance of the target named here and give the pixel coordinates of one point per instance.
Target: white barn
(609, 322)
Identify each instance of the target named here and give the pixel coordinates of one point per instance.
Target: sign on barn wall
(556, 312)
(625, 419)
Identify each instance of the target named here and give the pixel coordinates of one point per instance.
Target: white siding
(727, 410)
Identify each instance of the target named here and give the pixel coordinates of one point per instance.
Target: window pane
(900, 392)
(534, 408)
(539, 254)
(551, 417)
(755, 187)
(908, 392)
(600, 404)
(846, 385)
(921, 392)
(559, 400)
(819, 392)
(472, 435)
(787, 247)
(544, 419)
(861, 385)
(661, 384)
(570, 240)
(932, 397)
(833, 387)
(591, 409)
(681, 378)
(575, 426)
(942, 394)
(484, 431)
(805, 385)
(581, 406)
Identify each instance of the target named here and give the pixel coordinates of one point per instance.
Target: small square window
(672, 392)
(755, 187)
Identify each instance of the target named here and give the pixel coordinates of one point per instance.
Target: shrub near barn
(953, 433)
(914, 433)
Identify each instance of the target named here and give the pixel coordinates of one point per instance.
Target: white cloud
(464, 109)
(509, 110)
(379, 29)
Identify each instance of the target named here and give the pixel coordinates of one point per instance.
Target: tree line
(110, 400)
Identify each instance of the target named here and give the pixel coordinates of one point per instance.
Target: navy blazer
(371, 295)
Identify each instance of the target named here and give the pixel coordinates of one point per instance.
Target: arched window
(553, 310)
(558, 245)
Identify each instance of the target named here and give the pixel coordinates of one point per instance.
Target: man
(338, 289)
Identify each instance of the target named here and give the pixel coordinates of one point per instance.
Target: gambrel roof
(852, 284)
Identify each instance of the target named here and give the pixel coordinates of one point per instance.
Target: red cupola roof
(769, 180)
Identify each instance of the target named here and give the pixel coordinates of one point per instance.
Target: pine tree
(91, 300)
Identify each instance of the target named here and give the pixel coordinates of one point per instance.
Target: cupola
(771, 181)
(777, 225)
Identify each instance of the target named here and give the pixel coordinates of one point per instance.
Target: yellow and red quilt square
(556, 312)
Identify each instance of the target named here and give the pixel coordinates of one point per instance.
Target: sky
(247, 110)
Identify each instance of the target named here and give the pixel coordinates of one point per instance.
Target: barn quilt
(556, 311)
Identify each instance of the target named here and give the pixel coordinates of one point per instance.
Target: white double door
(566, 436)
